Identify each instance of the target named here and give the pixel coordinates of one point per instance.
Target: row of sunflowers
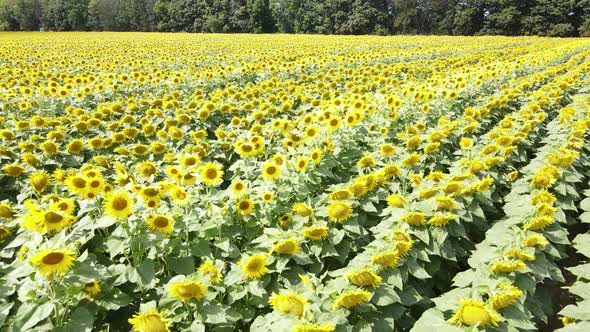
(155, 182)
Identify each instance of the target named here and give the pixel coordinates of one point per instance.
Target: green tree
(467, 17)
(20, 14)
(261, 19)
(503, 17)
(64, 15)
(550, 18)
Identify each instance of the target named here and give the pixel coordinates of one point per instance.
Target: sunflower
(289, 304)
(211, 174)
(351, 298)
(387, 259)
(474, 312)
(271, 171)
(301, 164)
(364, 277)
(13, 170)
(94, 186)
(565, 320)
(160, 223)
(396, 201)
(411, 160)
(316, 156)
(245, 206)
(208, 268)
(302, 209)
(180, 196)
(255, 266)
(285, 219)
(151, 321)
(187, 290)
(414, 218)
(442, 220)
(507, 266)
(466, 143)
(387, 150)
(39, 180)
(316, 232)
(146, 169)
(535, 240)
(366, 161)
(538, 223)
(53, 261)
(92, 288)
(543, 196)
(238, 187)
(403, 242)
(428, 192)
(77, 184)
(334, 123)
(452, 187)
(53, 221)
(118, 205)
(4, 232)
(445, 203)
(339, 211)
(314, 328)
(6, 211)
(288, 247)
(267, 197)
(504, 296)
(75, 146)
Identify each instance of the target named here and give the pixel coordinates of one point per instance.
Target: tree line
(561, 18)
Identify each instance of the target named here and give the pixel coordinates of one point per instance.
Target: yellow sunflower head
(474, 312)
(211, 174)
(208, 268)
(288, 247)
(53, 262)
(271, 171)
(188, 290)
(364, 277)
(255, 266)
(39, 180)
(161, 223)
(118, 205)
(151, 321)
(339, 211)
(92, 288)
(289, 304)
(316, 232)
(351, 298)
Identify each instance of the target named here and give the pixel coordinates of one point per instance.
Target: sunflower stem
(56, 313)
(190, 312)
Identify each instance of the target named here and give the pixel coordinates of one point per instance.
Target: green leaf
(200, 247)
(579, 311)
(585, 217)
(81, 320)
(4, 311)
(114, 299)
(183, 265)
(585, 204)
(29, 315)
(581, 271)
(369, 207)
(433, 320)
(147, 271)
(385, 296)
(582, 244)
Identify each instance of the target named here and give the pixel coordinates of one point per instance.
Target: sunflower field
(200, 182)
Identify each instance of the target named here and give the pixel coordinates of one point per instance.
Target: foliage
(358, 17)
(195, 182)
